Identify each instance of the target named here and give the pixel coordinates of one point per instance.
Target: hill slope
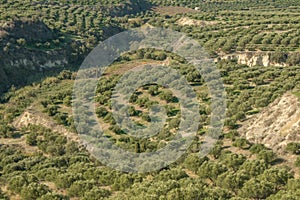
(277, 125)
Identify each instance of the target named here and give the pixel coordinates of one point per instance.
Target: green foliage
(52, 110)
(193, 162)
(267, 155)
(242, 143)
(232, 181)
(53, 196)
(123, 182)
(297, 162)
(78, 188)
(216, 151)
(101, 112)
(3, 196)
(279, 56)
(34, 191)
(293, 147)
(6, 131)
(211, 170)
(16, 183)
(227, 27)
(31, 139)
(232, 161)
(257, 189)
(256, 148)
(266, 184)
(66, 180)
(96, 193)
(167, 96)
(254, 167)
(153, 90)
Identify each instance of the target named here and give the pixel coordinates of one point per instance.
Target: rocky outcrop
(34, 117)
(251, 59)
(186, 21)
(277, 125)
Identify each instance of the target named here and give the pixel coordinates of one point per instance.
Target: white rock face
(251, 59)
(275, 126)
(32, 62)
(55, 63)
(186, 21)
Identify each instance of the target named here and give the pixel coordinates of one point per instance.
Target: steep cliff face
(252, 59)
(275, 126)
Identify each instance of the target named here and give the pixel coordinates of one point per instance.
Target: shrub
(34, 191)
(256, 148)
(293, 147)
(242, 143)
(297, 162)
(267, 155)
(79, 188)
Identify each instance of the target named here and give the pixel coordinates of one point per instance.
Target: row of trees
(238, 31)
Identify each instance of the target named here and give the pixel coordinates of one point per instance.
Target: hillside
(35, 48)
(22, 58)
(275, 126)
(46, 154)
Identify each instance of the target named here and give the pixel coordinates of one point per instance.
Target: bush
(3, 196)
(193, 162)
(297, 162)
(79, 188)
(242, 143)
(31, 139)
(153, 90)
(16, 183)
(52, 196)
(52, 110)
(267, 155)
(101, 111)
(34, 191)
(167, 96)
(256, 148)
(293, 147)
(66, 180)
(293, 59)
(96, 193)
(279, 56)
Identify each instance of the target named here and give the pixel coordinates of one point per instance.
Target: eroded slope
(277, 125)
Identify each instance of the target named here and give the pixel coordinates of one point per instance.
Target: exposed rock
(251, 59)
(277, 125)
(185, 21)
(34, 117)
